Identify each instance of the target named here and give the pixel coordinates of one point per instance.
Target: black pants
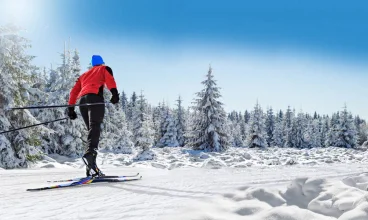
(93, 116)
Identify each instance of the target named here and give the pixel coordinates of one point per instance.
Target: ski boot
(89, 159)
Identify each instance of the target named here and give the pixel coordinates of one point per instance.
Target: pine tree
(315, 116)
(233, 116)
(209, 129)
(189, 124)
(333, 126)
(243, 131)
(246, 117)
(124, 102)
(131, 107)
(142, 130)
(346, 135)
(180, 123)
(363, 133)
(256, 129)
(270, 126)
(156, 120)
(76, 67)
(324, 131)
(314, 131)
(297, 132)
(164, 114)
(278, 133)
(169, 139)
(236, 135)
(287, 127)
(361, 130)
(18, 148)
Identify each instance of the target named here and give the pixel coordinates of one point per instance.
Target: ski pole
(55, 106)
(3, 132)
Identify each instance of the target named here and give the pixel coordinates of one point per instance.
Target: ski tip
(33, 190)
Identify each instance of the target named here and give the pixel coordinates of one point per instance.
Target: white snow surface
(173, 158)
(273, 184)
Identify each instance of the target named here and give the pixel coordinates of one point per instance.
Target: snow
(172, 158)
(184, 184)
(304, 198)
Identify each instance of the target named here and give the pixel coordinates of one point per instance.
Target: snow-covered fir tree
(180, 123)
(169, 139)
(270, 125)
(361, 129)
(246, 117)
(189, 124)
(18, 148)
(288, 119)
(237, 138)
(333, 127)
(314, 132)
(243, 129)
(346, 135)
(298, 135)
(75, 65)
(156, 120)
(130, 110)
(124, 102)
(209, 128)
(164, 123)
(324, 130)
(278, 132)
(142, 130)
(256, 128)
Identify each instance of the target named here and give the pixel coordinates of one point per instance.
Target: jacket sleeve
(109, 79)
(75, 92)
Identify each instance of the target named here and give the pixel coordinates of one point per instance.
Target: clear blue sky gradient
(337, 26)
(311, 55)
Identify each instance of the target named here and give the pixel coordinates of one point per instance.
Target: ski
(109, 180)
(86, 181)
(81, 178)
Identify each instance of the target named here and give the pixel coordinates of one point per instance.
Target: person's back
(89, 89)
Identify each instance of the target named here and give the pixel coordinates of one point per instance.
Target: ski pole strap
(17, 129)
(55, 106)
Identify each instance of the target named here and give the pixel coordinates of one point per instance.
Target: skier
(89, 88)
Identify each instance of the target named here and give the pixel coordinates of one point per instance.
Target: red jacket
(91, 82)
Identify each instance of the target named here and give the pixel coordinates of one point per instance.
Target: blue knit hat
(97, 60)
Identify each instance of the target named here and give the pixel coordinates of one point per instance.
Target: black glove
(115, 96)
(71, 113)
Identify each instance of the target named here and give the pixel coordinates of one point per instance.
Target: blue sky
(311, 55)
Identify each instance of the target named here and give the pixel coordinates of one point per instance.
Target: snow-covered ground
(173, 158)
(180, 184)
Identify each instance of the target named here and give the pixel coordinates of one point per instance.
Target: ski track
(160, 192)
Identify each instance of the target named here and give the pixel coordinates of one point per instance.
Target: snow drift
(303, 199)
